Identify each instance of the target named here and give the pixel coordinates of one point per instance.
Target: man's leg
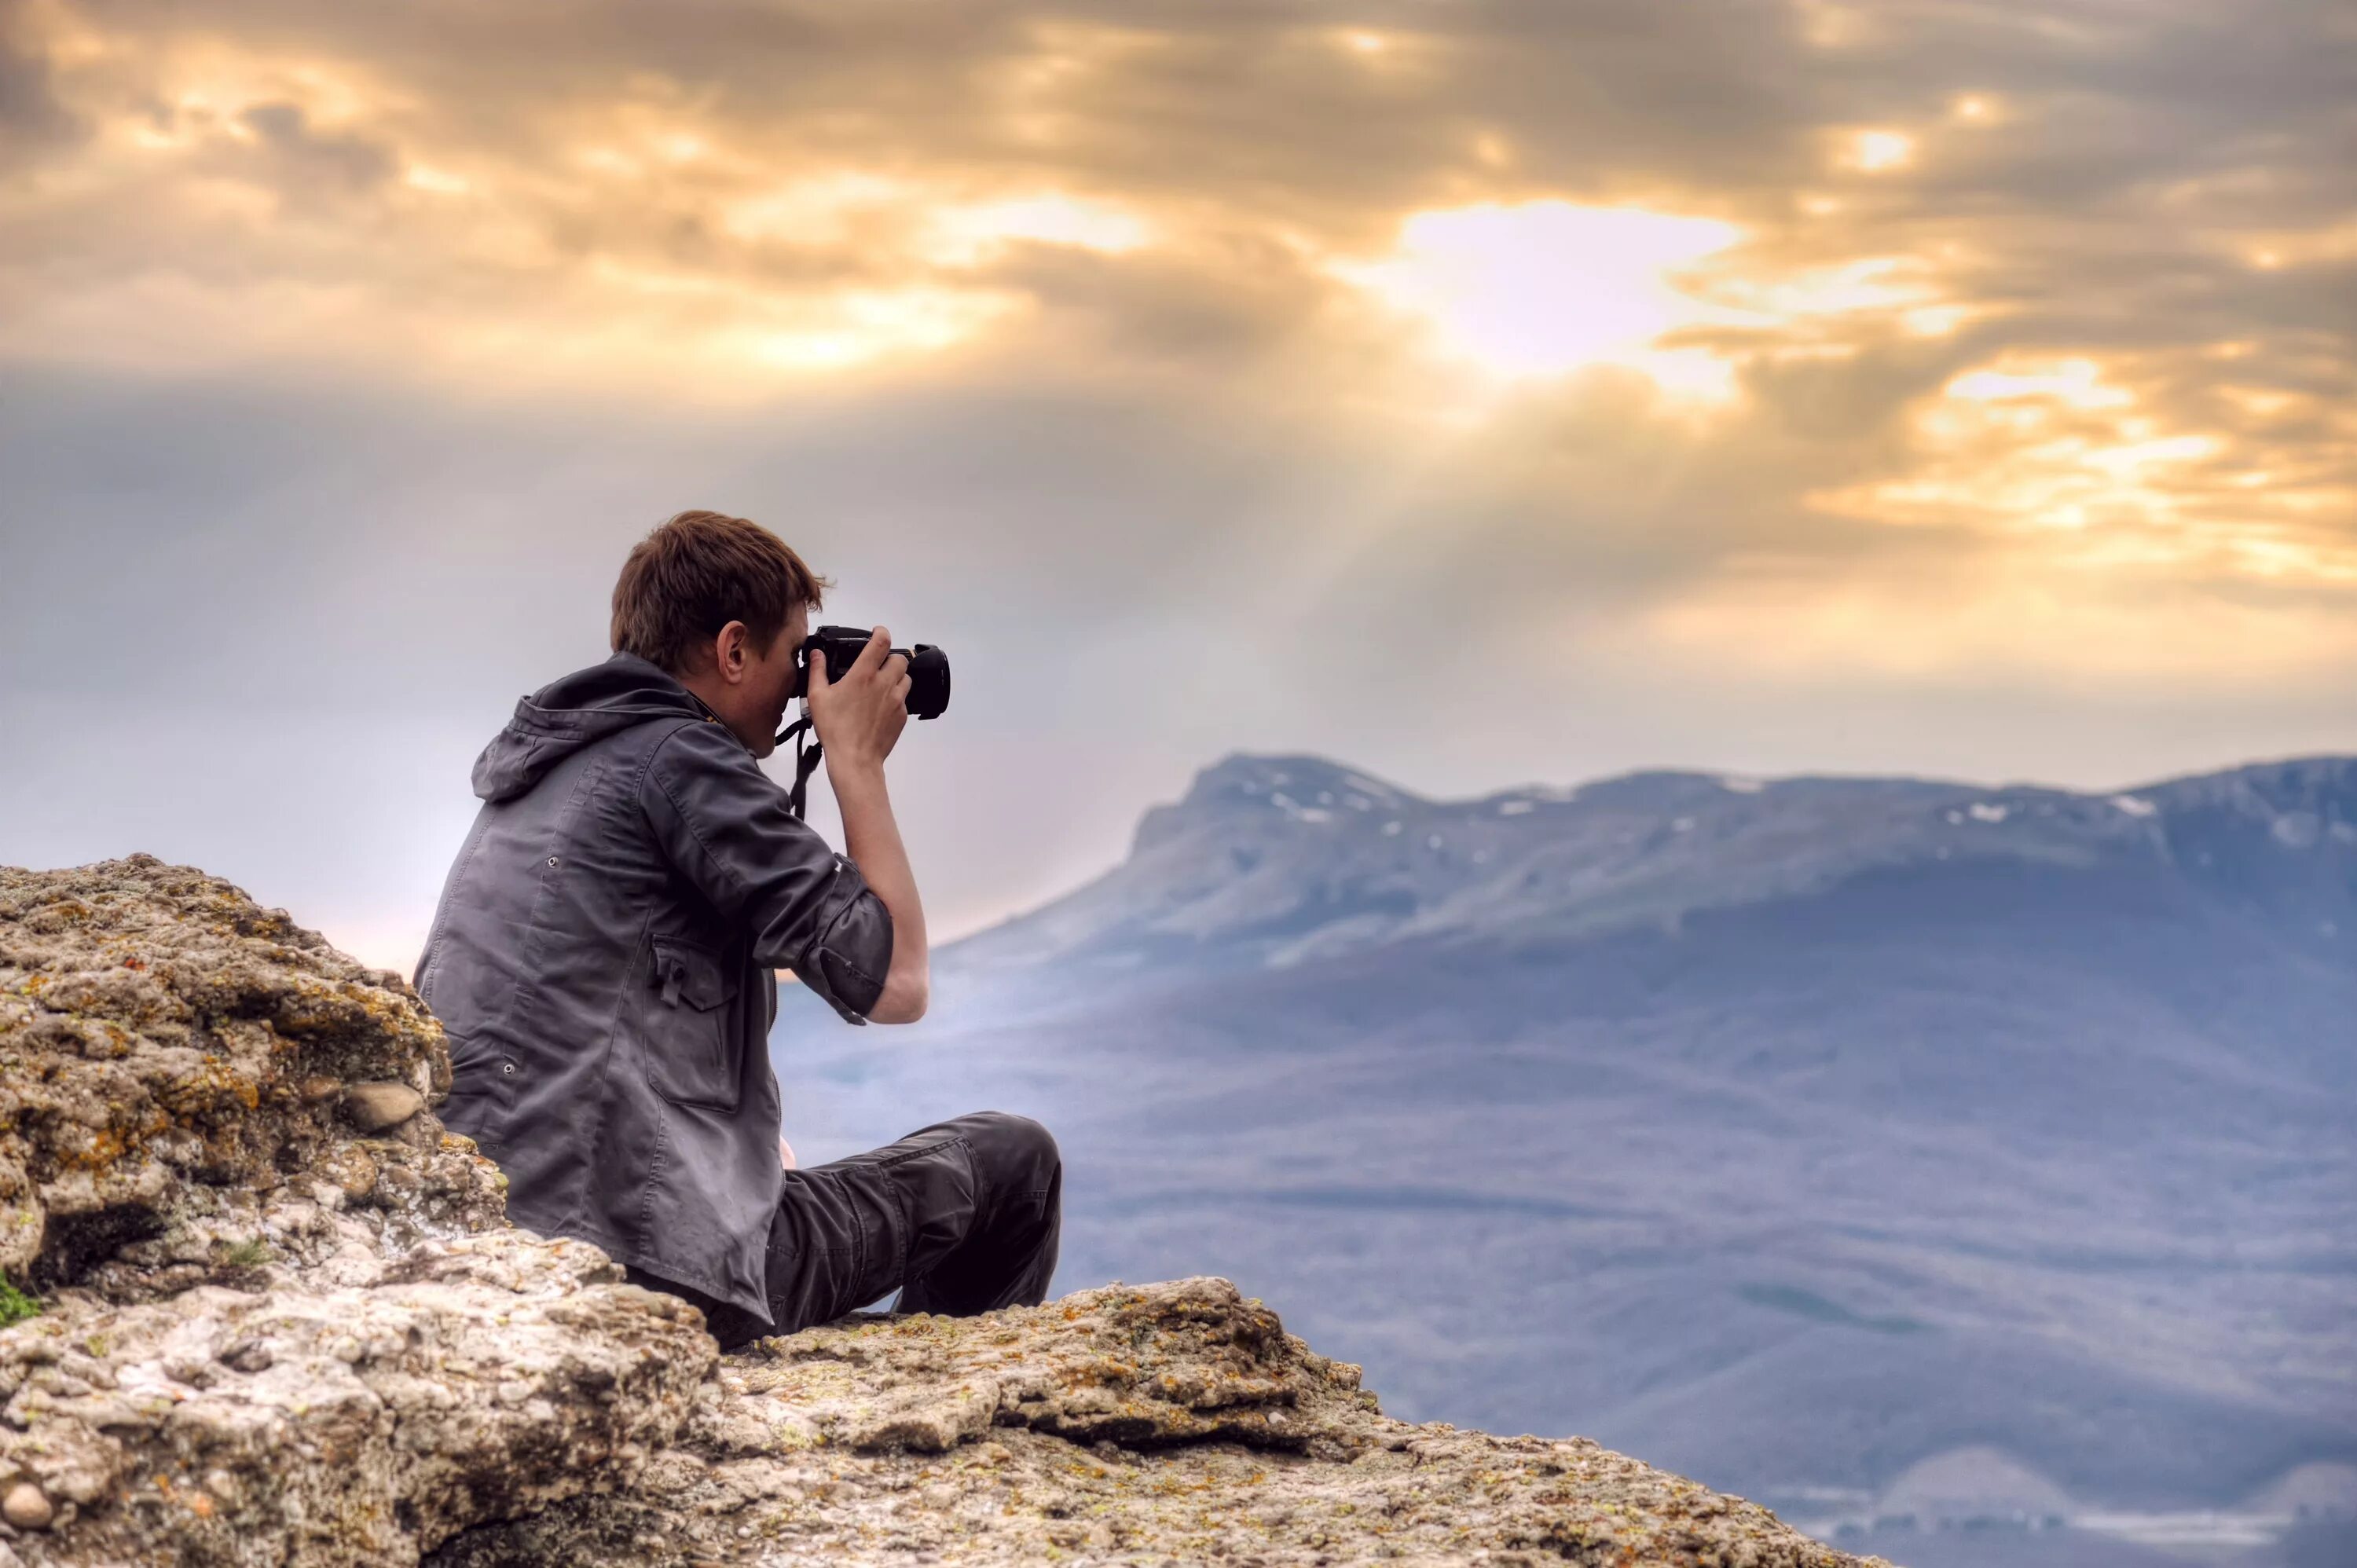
(1009, 1254)
(963, 1215)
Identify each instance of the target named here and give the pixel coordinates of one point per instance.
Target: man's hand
(858, 718)
(859, 714)
(785, 1152)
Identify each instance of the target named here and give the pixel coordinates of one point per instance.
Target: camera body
(929, 667)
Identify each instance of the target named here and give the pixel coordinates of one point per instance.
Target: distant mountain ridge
(1274, 860)
(1799, 1132)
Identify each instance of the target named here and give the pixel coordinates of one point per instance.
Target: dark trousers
(963, 1215)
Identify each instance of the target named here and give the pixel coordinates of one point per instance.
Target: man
(603, 962)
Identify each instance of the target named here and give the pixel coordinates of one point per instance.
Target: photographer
(604, 955)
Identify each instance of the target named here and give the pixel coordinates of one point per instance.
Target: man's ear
(730, 652)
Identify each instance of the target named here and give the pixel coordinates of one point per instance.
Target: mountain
(1274, 862)
(1794, 1132)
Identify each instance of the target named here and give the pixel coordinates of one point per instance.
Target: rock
(27, 1508)
(373, 1107)
(1173, 1420)
(350, 1170)
(156, 1027)
(268, 1340)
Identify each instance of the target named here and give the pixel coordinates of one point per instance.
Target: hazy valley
(1878, 1148)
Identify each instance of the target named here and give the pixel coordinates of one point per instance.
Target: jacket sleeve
(724, 825)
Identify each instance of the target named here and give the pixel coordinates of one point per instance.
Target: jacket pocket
(481, 1102)
(690, 1036)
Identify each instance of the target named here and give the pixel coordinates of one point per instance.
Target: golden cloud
(1897, 308)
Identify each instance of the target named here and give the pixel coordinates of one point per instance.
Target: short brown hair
(696, 573)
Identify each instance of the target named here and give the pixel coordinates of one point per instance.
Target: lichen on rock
(285, 1322)
(157, 1029)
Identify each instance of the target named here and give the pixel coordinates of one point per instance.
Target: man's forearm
(873, 839)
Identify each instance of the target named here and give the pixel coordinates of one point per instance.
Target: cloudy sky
(1480, 394)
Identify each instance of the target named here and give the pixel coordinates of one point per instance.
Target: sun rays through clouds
(1917, 336)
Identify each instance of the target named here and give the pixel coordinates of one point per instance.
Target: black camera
(929, 667)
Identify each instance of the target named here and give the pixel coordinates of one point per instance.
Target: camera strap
(807, 753)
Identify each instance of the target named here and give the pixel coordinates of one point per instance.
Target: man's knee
(1016, 1147)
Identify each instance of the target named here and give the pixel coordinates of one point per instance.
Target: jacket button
(507, 1066)
(551, 862)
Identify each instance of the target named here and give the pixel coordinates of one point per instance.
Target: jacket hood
(580, 710)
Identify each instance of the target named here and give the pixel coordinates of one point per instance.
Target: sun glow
(1544, 287)
(2066, 449)
(2078, 382)
(964, 235)
(859, 326)
(1879, 152)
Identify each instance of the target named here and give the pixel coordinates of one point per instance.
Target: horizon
(379, 955)
(1642, 770)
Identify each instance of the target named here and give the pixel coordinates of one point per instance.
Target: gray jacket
(602, 961)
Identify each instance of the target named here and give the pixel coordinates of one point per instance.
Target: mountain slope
(1795, 1130)
(1276, 860)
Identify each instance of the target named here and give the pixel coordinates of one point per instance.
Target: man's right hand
(859, 714)
(857, 718)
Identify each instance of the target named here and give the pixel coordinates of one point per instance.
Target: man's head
(722, 604)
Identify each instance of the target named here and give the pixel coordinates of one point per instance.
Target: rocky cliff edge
(282, 1319)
